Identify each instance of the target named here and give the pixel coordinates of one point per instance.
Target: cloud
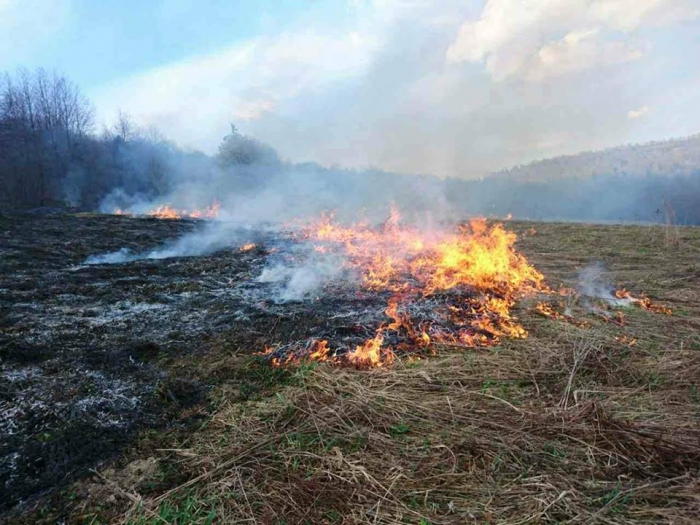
(520, 39)
(523, 80)
(628, 15)
(27, 25)
(579, 51)
(253, 109)
(243, 82)
(638, 113)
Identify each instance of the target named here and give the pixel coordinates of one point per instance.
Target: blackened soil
(84, 350)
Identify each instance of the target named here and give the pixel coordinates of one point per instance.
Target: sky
(450, 88)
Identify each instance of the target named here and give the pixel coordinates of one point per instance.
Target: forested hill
(677, 157)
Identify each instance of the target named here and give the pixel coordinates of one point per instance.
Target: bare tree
(124, 127)
(43, 118)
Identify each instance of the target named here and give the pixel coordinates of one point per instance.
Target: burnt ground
(92, 357)
(80, 346)
(87, 350)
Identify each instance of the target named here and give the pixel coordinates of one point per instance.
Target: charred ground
(85, 350)
(596, 422)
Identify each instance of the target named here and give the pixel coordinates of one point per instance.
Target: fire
(454, 287)
(642, 301)
(166, 211)
(477, 255)
(371, 354)
(473, 274)
(247, 247)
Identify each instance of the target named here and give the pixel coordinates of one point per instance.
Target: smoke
(120, 256)
(212, 237)
(594, 283)
(302, 280)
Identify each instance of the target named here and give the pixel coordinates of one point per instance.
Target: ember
(247, 247)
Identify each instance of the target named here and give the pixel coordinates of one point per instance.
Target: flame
(167, 212)
(471, 277)
(371, 354)
(247, 247)
(642, 301)
(475, 266)
(477, 255)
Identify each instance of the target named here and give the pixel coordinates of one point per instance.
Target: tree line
(51, 155)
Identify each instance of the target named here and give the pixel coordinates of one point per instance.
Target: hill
(675, 157)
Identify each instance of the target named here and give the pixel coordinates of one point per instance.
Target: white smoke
(594, 283)
(297, 281)
(214, 236)
(120, 256)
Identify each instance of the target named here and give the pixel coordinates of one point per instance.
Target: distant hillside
(666, 158)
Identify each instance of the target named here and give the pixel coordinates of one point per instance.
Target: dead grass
(460, 438)
(571, 425)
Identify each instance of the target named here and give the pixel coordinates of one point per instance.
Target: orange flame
(643, 302)
(371, 354)
(474, 274)
(247, 247)
(167, 212)
(479, 259)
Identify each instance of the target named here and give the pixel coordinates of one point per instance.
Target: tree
(237, 149)
(44, 120)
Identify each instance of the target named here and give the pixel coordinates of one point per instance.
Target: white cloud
(253, 109)
(194, 100)
(578, 51)
(374, 88)
(628, 15)
(638, 113)
(26, 25)
(518, 38)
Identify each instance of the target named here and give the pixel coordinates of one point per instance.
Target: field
(130, 393)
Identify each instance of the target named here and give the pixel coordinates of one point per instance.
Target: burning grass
(455, 287)
(165, 211)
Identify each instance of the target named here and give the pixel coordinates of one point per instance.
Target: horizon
(457, 90)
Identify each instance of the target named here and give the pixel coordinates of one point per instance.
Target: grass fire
(491, 362)
(347, 263)
(448, 287)
(165, 211)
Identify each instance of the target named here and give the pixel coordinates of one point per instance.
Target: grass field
(591, 419)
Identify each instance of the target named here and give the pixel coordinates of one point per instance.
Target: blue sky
(456, 87)
(94, 42)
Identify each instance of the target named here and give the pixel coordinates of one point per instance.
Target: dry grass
(460, 438)
(571, 425)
